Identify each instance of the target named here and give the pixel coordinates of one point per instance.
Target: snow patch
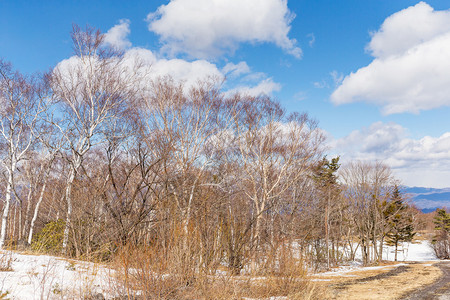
(47, 277)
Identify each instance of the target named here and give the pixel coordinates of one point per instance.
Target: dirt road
(410, 280)
(439, 290)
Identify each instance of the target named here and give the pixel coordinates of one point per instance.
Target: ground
(440, 289)
(25, 276)
(417, 276)
(398, 281)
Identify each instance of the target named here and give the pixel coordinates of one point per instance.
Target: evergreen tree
(399, 220)
(326, 181)
(441, 240)
(325, 172)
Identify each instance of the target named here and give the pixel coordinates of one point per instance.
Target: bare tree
(366, 186)
(92, 88)
(185, 119)
(132, 188)
(19, 110)
(274, 151)
(52, 144)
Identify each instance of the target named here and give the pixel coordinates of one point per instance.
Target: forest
(101, 161)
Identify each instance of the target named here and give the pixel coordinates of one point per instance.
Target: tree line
(96, 157)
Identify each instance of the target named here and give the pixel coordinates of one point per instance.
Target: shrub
(50, 238)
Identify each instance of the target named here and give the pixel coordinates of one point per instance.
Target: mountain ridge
(428, 199)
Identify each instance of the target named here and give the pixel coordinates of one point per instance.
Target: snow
(342, 271)
(419, 251)
(47, 277)
(416, 251)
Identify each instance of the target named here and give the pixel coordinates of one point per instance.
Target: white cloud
(180, 70)
(152, 66)
(379, 138)
(411, 67)
(235, 70)
(254, 76)
(208, 29)
(117, 36)
(191, 72)
(418, 162)
(265, 87)
(407, 29)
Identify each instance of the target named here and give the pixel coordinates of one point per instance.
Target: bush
(50, 238)
(441, 248)
(154, 274)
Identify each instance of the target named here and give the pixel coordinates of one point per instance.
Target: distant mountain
(428, 199)
(420, 190)
(428, 210)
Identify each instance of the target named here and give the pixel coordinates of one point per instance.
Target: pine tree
(326, 181)
(441, 240)
(399, 221)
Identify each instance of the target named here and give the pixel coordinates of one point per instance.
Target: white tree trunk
(28, 211)
(6, 209)
(36, 209)
(69, 208)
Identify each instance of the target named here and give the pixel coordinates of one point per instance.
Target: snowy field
(407, 252)
(47, 277)
(410, 252)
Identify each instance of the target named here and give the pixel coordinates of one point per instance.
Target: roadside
(440, 289)
(386, 282)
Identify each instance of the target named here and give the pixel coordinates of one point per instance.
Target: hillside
(428, 199)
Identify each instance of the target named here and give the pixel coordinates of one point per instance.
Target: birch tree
(184, 119)
(19, 110)
(366, 186)
(92, 88)
(51, 143)
(274, 150)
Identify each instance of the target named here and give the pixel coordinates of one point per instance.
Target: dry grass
(6, 259)
(355, 286)
(158, 276)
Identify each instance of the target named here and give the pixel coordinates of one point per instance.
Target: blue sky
(374, 73)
